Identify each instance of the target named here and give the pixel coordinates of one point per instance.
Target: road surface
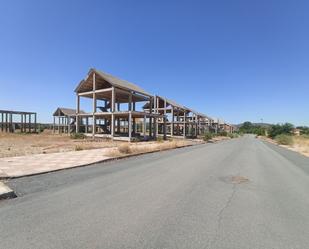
(242, 193)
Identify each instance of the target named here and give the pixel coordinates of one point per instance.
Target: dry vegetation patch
(301, 144)
(145, 147)
(14, 144)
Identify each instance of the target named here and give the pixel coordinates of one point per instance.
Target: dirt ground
(301, 145)
(14, 144)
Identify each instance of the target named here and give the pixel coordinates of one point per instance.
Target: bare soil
(14, 144)
(300, 144)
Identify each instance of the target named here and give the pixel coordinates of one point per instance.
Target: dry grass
(46, 142)
(124, 148)
(78, 147)
(145, 147)
(13, 144)
(301, 144)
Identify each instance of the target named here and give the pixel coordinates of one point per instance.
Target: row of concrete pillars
(25, 123)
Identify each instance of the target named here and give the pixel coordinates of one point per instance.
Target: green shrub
(284, 139)
(160, 139)
(78, 136)
(279, 129)
(207, 136)
(222, 133)
(232, 135)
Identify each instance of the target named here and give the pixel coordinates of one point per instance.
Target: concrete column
(130, 102)
(164, 128)
(87, 123)
(68, 124)
(154, 128)
(2, 121)
(113, 110)
(130, 125)
(118, 125)
(59, 119)
(6, 122)
(172, 123)
(144, 127)
(35, 122)
(24, 123)
(77, 113)
(94, 105)
(134, 124)
(150, 118)
(21, 123)
(184, 125)
(29, 122)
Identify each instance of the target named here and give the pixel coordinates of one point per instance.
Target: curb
(6, 192)
(89, 164)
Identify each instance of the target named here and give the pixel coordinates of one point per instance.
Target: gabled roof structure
(61, 111)
(109, 79)
(169, 102)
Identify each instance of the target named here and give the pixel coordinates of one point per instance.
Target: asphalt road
(242, 193)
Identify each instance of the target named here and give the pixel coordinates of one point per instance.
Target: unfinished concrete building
(204, 123)
(180, 121)
(116, 108)
(220, 125)
(65, 120)
(12, 121)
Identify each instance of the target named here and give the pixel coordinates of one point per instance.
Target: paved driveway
(237, 194)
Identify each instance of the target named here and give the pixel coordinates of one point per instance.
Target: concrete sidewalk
(11, 167)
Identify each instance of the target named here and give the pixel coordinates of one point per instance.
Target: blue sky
(239, 60)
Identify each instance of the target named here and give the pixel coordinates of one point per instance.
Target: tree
(279, 129)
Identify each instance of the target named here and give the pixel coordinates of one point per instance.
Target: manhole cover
(239, 179)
